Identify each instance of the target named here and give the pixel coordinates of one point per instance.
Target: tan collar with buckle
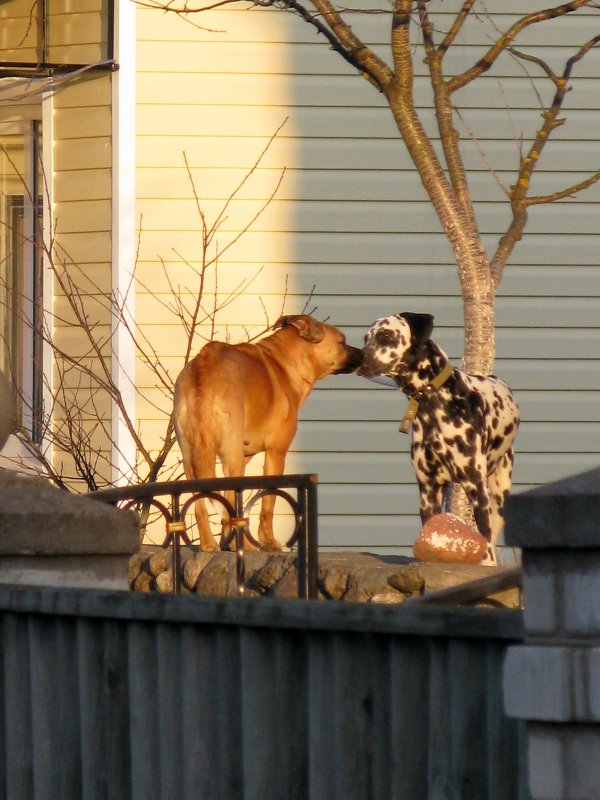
(414, 400)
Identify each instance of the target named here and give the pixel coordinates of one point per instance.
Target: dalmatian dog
(463, 426)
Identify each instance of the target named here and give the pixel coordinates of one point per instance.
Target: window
(37, 38)
(21, 284)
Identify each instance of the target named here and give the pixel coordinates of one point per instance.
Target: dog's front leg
(207, 540)
(430, 478)
(431, 499)
(274, 465)
(234, 465)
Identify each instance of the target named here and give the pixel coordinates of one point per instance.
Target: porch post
(123, 235)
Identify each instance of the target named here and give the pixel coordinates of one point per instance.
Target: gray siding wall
(353, 221)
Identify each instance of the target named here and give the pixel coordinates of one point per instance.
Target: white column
(123, 233)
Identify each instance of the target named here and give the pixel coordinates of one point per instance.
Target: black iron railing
(174, 510)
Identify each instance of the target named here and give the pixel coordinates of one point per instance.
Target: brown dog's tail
(198, 452)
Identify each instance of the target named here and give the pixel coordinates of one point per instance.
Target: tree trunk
(469, 252)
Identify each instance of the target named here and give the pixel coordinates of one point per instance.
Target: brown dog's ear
(421, 326)
(307, 327)
(282, 322)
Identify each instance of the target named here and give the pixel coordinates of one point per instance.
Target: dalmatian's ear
(421, 326)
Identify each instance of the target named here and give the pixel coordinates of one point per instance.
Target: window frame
(31, 319)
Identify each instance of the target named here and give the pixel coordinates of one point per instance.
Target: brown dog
(233, 401)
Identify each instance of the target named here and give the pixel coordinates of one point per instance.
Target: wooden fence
(116, 695)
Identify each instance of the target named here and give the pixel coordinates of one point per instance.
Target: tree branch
(518, 193)
(342, 39)
(456, 27)
(564, 193)
(444, 113)
(504, 42)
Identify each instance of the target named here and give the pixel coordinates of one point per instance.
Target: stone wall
(553, 680)
(357, 577)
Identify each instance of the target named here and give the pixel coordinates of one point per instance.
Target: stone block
(582, 762)
(547, 778)
(388, 598)
(218, 578)
(537, 683)
(409, 579)
(559, 515)
(594, 683)
(540, 592)
(333, 583)
(581, 593)
(560, 590)
(553, 684)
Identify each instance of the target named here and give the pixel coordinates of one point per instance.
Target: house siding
(352, 220)
(81, 214)
(83, 235)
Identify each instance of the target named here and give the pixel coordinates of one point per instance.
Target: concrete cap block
(563, 514)
(36, 518)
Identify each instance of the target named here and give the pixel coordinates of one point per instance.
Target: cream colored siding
(82, 224)
(173, 119)
(352, 220)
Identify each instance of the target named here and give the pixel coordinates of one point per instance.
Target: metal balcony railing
(173, 508)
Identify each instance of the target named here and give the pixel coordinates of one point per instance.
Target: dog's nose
(368, 368)
(353, 360)
(364, 371)
(357, 357)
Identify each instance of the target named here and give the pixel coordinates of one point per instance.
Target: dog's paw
(210, 547)
(250, 545)
(271, 546)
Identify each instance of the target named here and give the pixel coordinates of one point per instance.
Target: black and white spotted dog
(463, 426)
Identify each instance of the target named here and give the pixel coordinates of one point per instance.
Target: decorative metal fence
(174, 509)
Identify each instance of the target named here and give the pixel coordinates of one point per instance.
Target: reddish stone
(445, 537)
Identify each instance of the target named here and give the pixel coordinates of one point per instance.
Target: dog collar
(415, 399)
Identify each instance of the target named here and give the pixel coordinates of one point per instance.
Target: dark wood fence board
(107, 695)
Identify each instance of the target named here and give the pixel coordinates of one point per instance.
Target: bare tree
(428, 30)
(74, 446)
